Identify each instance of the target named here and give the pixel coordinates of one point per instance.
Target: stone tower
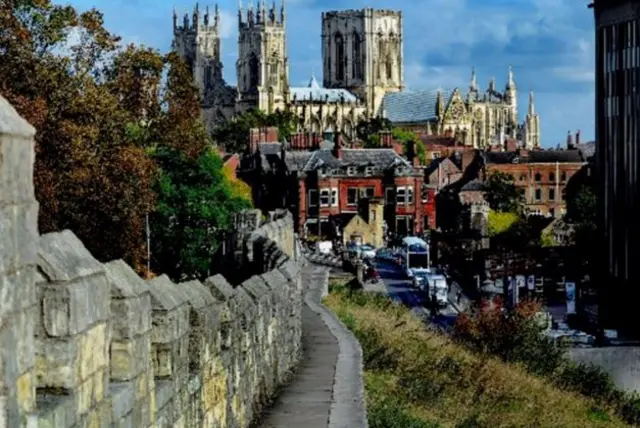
(198, 42)
(263, 65)
(362, 51)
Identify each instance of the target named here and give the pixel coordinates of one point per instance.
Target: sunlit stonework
(363, 77)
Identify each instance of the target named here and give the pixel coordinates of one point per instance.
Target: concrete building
(617, 25)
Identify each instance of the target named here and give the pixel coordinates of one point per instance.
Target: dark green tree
(502, 194)
(196, 207)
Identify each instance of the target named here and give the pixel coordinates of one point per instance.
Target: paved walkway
(327, 391)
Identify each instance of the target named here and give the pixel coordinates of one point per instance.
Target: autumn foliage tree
(100, 113)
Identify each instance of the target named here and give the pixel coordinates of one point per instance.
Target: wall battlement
(86, 344)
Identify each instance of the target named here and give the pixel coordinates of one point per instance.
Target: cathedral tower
(197, 40)
(362, 51)
(531, 132)
(263, 65)
(511, 98)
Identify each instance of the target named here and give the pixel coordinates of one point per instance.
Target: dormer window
(351, 170)
(368, 171)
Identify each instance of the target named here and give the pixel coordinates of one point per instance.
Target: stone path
(328, 389)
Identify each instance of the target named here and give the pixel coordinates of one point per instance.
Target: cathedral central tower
(362, 51)
(263, 64)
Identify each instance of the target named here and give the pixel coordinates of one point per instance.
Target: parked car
(367, 252)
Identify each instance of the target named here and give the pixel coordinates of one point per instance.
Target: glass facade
(618, 157)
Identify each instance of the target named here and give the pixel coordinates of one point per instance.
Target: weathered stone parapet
(86, 344)
(18, 252)
(73, 331)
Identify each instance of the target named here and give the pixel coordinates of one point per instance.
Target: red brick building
(541, 174)
(324, 184)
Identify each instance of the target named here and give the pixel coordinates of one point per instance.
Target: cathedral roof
(412, 106)
(314, 91)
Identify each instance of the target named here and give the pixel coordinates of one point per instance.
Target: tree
(408, 139)
(502, 194)
(196, 206)
(499, 222)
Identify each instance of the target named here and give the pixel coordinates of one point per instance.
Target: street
(400, 288)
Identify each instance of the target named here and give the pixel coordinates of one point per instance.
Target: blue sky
(549, 43)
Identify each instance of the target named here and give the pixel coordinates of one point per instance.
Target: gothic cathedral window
(389, 65)
(339, 57)
(254, 71)
(356, 73)
(273, 73)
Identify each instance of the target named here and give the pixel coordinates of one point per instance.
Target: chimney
(577, 137)
(569, 140)
(385, 139)
(337, 146)
(523, 153)
(411, 151)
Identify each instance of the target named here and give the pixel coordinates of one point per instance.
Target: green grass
(418, 378)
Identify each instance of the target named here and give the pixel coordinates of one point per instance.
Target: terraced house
(329, 184)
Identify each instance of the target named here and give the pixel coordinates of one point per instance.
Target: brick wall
(89, 344)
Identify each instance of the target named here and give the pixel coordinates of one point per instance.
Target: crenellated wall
(86, 344)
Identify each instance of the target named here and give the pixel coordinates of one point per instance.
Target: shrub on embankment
(416, 377)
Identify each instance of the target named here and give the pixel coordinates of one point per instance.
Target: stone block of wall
(622, 363)
(169, 350)
(131, 371)
(73, 330)
(18, 252)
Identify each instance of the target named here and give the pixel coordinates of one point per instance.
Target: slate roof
(535, 156)
(587, 149)
(318, 93)
(269, 148)
(380, 158)
(473, 186)
(412, 106)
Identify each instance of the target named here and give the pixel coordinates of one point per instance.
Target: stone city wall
(86, 344)
(622, 363)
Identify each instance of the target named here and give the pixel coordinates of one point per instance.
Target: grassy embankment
(417, 378)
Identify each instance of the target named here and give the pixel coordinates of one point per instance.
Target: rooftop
(412, 106)
(314, 91)
(535, 156)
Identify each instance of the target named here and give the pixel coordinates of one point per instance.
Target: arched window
(538, 176)
(356, 72)
(552, 176)
(389, 66)
(339, 57)
(254, 71)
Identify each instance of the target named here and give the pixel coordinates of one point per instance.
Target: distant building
(541, 174)
(617, 169)
(325, 185)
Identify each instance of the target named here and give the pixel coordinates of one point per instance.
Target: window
(538, 195)
(523, 177)
(552, 176)
(409, 195)
(367, 192)
(325, 197)
(352, 196)
(538, 177)
(389, 195)
(351, 170)
(313, 198)
(368, 170)
(563, 176)
(334, 197)
(425, 194)
(552, 194)
(435, 155)
(254, 71)
(401, 195)
(340, 59)
(356, 72)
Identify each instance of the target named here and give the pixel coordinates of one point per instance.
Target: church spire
(532, 108)
(175, 18)
(196, 17)
(473, 87)
(262, 14)
(282, 13)
(511, 84)
(240, 11)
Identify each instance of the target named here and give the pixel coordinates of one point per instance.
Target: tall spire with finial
(206, 16)
(282, 13)
(492, 84)
(196, 17)
(511, 84)
(175, 18)
(272, 13)
(474, 81)
(240, 11)
(216, 17)
(263, 11)
(250, 13)
(532, 108)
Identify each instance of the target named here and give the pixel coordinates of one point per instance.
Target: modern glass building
(618, 159)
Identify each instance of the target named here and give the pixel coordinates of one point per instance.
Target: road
(400, 288)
